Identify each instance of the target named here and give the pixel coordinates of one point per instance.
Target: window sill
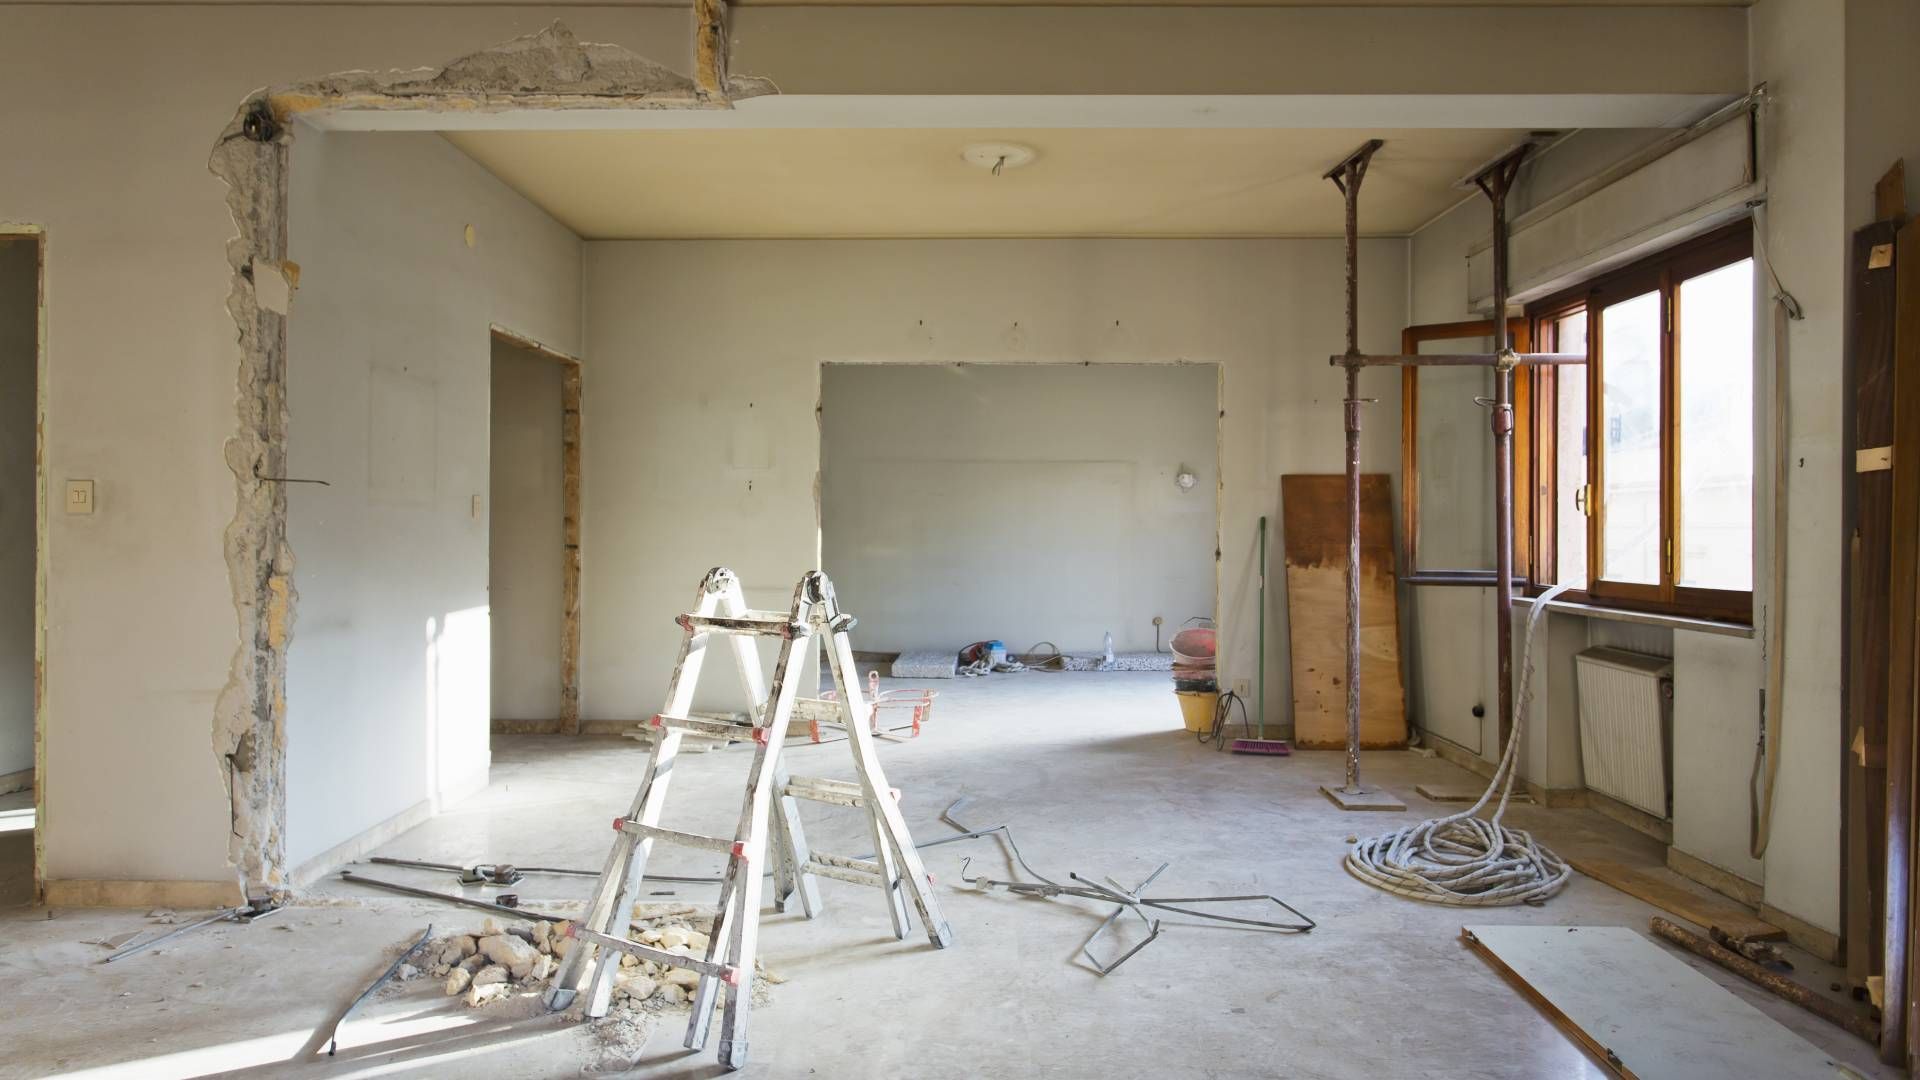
(1645, 618)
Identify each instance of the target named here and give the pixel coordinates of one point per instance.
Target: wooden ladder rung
(722, 844)
(738, 730)
(723, 972)
(758, 623)
(841, 868)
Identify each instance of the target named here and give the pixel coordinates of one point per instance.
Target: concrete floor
(1093, 774)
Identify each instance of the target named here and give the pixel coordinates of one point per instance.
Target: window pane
(1630, 426)
(1715, 361)
(1570, 453)
(1456, 462)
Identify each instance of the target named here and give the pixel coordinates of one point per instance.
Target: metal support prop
(1494, 180)
(1347, 177)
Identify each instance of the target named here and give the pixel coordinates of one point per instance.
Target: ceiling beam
(1244, 50)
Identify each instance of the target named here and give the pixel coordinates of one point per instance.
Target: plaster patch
(273, 286)
(551, 69)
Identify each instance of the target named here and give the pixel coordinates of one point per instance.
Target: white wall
(1883, 82)
(389, 372)
(1798, 49)
(19, 409)
(1026, 503)
(141, 388)
(704, 449)
(526, 535)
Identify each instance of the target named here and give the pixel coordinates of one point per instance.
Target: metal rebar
(244, 913)
(429, 894)
(333, 1035)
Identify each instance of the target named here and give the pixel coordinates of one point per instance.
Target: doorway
(19, 531)
(533, 537)
(1035, 504)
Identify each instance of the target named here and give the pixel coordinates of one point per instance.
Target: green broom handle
(1263, 628)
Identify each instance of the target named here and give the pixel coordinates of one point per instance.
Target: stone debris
(510, 951)
(517, 964)
(164, 916)
(638, 987)
(685, 978)
(490, 975)
(481, 995)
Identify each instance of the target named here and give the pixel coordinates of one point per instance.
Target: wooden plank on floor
(1465, 793)
(1665, 890)
(1314, 541)
(1640, 1009)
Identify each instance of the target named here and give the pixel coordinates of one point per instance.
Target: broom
(1262, 745)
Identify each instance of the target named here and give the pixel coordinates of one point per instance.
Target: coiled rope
(1460, 859)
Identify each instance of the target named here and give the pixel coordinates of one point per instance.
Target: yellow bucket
(1197, 708)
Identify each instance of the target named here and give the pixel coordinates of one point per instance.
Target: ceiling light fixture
(997, 157)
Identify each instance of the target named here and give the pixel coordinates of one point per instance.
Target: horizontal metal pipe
(1485, 578)
(1453, 359)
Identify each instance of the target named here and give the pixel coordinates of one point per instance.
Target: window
(1645, 457)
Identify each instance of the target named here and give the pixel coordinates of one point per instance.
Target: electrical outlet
(79, 496)
(1240, 687)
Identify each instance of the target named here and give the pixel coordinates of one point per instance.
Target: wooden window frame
(1519, 331)
(1661, 273)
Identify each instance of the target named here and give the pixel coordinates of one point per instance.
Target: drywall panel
(706, 357)
(1025, 503)
(389, 380)
(1716, 711)
(525, 535)
(1641, 1008)
(19, 361)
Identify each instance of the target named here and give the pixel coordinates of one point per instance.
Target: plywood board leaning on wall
(1313, 512)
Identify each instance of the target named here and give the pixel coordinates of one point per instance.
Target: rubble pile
(496, 961)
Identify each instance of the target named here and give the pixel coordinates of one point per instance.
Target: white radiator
(1626, 726)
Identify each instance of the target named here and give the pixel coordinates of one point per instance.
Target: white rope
(1461, 859)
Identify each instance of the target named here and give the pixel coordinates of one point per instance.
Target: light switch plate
(79, 496)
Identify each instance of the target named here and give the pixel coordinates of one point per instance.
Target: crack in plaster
(547, 70)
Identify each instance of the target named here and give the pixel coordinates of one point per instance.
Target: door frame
(571, 401)
(38, 235)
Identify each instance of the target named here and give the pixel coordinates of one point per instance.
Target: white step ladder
(815, 619)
